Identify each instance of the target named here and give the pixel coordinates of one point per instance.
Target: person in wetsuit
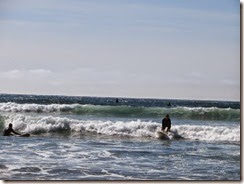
(166, 123)
(7, 132)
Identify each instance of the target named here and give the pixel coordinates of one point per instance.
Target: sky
(176, 49)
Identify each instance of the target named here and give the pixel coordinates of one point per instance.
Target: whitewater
(92, 138)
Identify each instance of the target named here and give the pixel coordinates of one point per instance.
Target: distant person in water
(169, 104)
(7, 132)
(166, 123)
(117, 100)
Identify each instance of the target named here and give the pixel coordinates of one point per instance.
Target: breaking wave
(142, 129)
(204, 113)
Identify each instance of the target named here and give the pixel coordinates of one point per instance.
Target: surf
(132, 128)
(202, 113)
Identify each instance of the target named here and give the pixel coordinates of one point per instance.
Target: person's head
(167, 116)
(10, 125)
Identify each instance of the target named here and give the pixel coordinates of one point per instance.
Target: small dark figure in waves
(7, 132)
(166, 123)
(169, 104)
(117, 100)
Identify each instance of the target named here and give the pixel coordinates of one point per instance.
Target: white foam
(209, 133)
(46, 124)
(14, 107)
(137, 128)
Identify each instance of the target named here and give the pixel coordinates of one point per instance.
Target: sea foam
(142, 129)
(15, 107)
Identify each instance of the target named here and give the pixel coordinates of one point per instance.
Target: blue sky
(135, 48)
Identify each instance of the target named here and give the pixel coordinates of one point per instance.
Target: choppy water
(99, 139)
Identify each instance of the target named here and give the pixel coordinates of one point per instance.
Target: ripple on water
(28, 169)
(64, 171)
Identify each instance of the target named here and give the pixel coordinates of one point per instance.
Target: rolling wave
(209, 113)
(141, 129)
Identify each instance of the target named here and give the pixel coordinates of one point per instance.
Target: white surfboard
(163, 135)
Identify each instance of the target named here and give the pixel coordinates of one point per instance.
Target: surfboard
(163, 135)
(24, 135)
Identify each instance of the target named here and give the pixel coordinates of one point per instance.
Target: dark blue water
(49, 99)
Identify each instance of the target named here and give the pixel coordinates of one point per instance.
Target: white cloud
(25, 74)
(12, 74)
(230, 82)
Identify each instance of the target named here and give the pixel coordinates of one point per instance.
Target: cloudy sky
(181, 49)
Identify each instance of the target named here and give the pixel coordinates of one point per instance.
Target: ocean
(94, 138)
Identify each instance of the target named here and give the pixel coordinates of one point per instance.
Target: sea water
(91, 138)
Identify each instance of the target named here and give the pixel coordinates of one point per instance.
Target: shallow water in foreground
(97, 157)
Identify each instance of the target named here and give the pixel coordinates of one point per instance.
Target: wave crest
(49, 124)
(210, 113)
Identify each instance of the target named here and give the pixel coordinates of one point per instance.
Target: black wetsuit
(166, 123)
(7, 132)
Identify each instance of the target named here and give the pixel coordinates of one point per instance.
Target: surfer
(7, 132)
(166, 123)
(169, 104)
